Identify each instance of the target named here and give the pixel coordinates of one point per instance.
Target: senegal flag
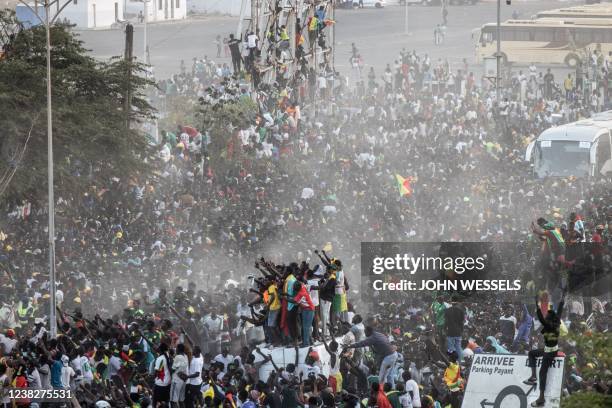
(403, 184)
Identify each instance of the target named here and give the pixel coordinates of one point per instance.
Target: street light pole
(47, 22)
(498, 54)
(52, 289)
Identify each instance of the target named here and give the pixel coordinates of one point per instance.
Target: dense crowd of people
(163, 294)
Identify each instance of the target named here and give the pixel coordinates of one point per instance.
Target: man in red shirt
(597, 248)
(302, 298)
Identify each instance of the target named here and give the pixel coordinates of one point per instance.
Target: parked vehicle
(369, 3)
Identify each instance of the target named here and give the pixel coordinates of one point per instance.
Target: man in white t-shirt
(214, 323)
(322, 85)
(412, 389)
(8, 341)
(68, 372)
(161, 388)
(180, 366)
(194, 378)
(405, 399)
(224, 358)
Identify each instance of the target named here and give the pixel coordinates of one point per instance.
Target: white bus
(581, 149)
(589, 11)
(545, 41)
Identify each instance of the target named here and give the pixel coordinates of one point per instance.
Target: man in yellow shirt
(274, 307)
(568, 84)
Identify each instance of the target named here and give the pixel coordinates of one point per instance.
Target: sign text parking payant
(496, 381)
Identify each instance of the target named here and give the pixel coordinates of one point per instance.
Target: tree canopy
(221, 113)
(92, 139)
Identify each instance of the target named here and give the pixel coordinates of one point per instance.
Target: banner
(282, 356)
(496, 381)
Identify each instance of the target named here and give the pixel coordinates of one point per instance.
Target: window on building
(177, 3)
(74, 1)
(161, 4)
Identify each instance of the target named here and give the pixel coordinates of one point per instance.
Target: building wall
(81, 13)
(225, 7)
(28, 18)
(169, 10)
(77, 13)
(10, 4)
(93, 13)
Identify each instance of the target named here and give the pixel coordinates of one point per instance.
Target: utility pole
(145, 57)
(332, 41)
(291, 30)
(129, 55)
(242, 15)
(498, 55)
(406, 17)
(254, 15)
(47, 21)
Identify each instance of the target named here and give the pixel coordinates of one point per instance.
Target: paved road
(379, 34)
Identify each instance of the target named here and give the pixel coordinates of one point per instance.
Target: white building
(157, 10)
(82, 13)
(93, 13)
(225, 7)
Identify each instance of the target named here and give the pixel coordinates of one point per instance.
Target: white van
(369, 3)
(581, 149)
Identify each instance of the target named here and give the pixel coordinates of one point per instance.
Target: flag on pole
(403, 184)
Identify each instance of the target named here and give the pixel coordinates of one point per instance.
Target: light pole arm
(60, 10)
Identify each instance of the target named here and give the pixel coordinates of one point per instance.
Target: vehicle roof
(586, 10)
(586, 130)
(553, 22)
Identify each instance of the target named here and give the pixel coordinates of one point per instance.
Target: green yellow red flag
(403, 184)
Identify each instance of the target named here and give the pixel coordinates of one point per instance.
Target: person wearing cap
(555, 245)
(67, 373)
(8, 341)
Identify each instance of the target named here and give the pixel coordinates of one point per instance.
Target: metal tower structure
(268, 18)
